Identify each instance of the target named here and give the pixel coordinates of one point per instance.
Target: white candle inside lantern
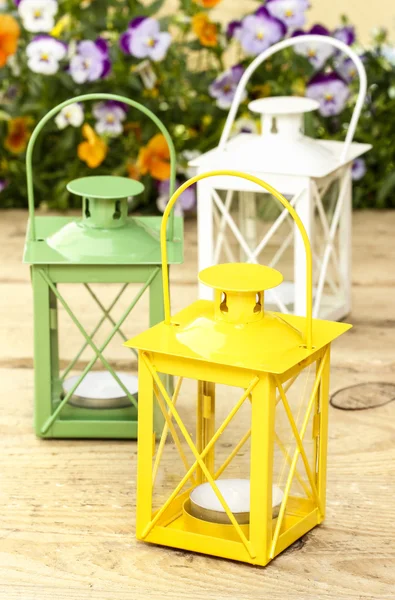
(99, 389)
(236, 493)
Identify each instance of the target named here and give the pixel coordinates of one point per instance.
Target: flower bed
(177, 66)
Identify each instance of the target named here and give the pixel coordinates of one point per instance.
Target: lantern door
(225, 434)
(89, 388)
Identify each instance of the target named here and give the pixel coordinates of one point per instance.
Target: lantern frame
(259, 375)
(54, 416)
(306, 193)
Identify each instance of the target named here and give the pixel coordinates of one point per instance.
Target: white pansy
(38, 15)
(73, 115)
(44, 54)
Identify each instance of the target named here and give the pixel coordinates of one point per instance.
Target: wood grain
(68, 507)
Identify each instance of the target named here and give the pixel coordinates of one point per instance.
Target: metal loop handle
(280, 198)
(83, 98)
(323, 39)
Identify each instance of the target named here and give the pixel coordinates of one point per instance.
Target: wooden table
(67, 518)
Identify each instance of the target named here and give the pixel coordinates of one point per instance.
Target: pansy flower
(186, 202)
(154, 158)
(232, 27)
(44, 53)
(330, 90)
(3, 184)
(94, 150)
(358, 169)
(91, 61)
(19, 130)
(345, 34)
(9, 36)
(259, 31)
(224, 86)
(143, 39)
(73, 115)
(346, 68)
(207, 3)
(204, 29)
(291, 12)
(109, 117)
(316, 52)
(37, 15)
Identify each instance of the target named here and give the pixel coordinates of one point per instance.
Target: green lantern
(104, 246)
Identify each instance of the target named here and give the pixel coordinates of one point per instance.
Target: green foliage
(180, 98)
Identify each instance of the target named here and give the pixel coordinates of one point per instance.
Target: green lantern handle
(83, 98)
(284, 202)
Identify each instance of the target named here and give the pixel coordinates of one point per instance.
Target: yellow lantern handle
(280, 198)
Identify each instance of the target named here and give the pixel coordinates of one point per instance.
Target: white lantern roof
(281, 147)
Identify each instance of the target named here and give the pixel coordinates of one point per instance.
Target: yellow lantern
(225, 500)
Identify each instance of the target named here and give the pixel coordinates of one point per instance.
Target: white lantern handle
(286, 44)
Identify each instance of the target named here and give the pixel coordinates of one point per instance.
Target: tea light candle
(236, 493)
(99, 389)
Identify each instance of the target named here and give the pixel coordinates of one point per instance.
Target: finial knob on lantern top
(239, 290)
(105, 199)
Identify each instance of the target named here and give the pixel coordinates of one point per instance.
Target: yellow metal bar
(286, 387)
(209, 423)
(199, 428)
(295, 459)
(199, 457)
(173, 432)
(261, 469)
(323, 439)
(232, 454)
(288, 460)
(165, 432)
(145, 449)
(299, 442)
(282, 200)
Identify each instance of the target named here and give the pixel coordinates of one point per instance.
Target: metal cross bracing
(201, 453)
(97, 350)
(329, 272)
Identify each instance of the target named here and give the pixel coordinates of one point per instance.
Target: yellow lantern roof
(234, 330)
(273, 344)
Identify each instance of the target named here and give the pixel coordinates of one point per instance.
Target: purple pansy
(187, 200)
(91, 61)
(224, 86)
(232, 27)
(346, 68)
(330, 90)
(259, 31)
(345, 34)
(109, 117)
(316, 52)
(143, 39)
(358, 169)
(3, 184)
(291, 12)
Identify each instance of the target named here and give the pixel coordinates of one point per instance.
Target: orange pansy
(205, 29)
(9, 35)
(154, 158)
(133, 171)
(207, 3)
(94, 150)
(18, 134)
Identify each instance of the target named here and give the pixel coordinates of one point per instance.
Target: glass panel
(98, 309)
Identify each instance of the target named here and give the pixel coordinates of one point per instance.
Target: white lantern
(300, 167)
